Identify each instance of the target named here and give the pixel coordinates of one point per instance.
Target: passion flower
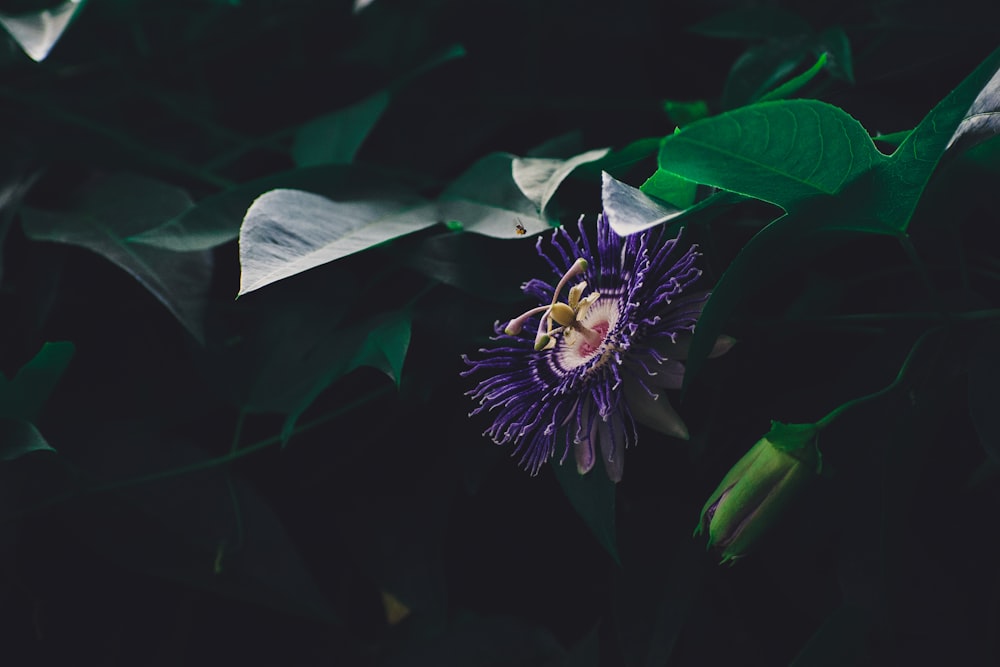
(578, 374)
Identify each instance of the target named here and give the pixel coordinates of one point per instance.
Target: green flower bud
(756, 489)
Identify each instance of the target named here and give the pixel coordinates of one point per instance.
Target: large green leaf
(780, 152)
(116, 207)
(24, 396)
(286, 232)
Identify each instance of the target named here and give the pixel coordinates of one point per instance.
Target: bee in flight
(519, 228)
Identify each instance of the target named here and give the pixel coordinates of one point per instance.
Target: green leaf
(780, 152)
(486, 200)
(539, 178)
(336, 137)
(793, 85)
(117, 207)
(286, 232)
(38, 32)
(25, 395)
(19, 437)
(593, 497)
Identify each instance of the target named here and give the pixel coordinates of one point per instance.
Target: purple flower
(581, 372)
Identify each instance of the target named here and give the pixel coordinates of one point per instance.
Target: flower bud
(760, 485)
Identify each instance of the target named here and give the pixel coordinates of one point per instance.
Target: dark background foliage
(170, 526)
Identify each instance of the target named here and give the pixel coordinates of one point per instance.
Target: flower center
(589, 337)
(567, 315)
(586, 348)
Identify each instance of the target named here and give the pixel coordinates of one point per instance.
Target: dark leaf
(476, 641)
(593, 497)
(761, 68)
(335, 138)
(206, 528)
(839, 641)
(25, 395)
(753, 24)
(984, 390)
(19, 437)
(117, 207)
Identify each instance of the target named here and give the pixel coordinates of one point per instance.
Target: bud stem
(839, 410)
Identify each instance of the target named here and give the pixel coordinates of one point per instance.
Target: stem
(839, 410)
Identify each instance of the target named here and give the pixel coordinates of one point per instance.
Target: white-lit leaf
(486, 200)
(286, 232)
(629, 210)
(983, 118)
(38, 32)
(539, 178)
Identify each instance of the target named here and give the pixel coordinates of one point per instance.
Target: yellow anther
(562, 314)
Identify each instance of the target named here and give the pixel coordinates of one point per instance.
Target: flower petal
(583, 450)
(654, 411)
(669, 375)
(612, 443)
